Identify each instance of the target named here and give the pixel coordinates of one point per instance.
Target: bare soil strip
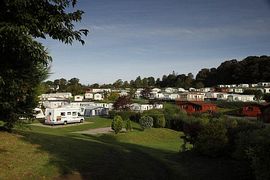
(59, 125)
(98, 131)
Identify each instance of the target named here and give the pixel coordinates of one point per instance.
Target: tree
(158, 82)
(126, 84)
(122, 103)
(198, 85)
(145, 82)
(74, 86)
(146, 93)
(62, 85)
(257, 93)
(132, 83)
(117, 124)
(138, 82)
(95, 85)
(118, 84)
(24, 61)
(132, 92)
(252, 69)
(113, 96)
(151, 81)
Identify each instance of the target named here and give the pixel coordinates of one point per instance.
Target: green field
(46, 153)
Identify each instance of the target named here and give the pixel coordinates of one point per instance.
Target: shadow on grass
(94, 159)
(221, 168)
(103, 157)
(190, 165)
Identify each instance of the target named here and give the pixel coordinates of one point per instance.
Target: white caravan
(63, 115)
(38, 113)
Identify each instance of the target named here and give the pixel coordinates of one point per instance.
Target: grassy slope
(150, 154)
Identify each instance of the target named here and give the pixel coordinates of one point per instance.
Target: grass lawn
(42, 152)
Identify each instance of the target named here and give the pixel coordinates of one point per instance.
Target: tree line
(252, 69)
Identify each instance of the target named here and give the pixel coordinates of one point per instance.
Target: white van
(38, 113)
(63, 116)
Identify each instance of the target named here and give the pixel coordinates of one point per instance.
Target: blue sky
(129, 38)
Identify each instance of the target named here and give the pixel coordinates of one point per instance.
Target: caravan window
(68, 113)
(74, 113)
(62, 113)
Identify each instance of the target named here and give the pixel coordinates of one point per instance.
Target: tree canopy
(252, 69)
(25, 61)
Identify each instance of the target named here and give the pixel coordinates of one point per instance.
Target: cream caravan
(63, 116)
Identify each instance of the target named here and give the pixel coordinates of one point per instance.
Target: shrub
(112, 114)
(159, 121)
(191, 130)
(217, 115)
(117, 124)
(158, 117)
(174, 117)
(135, 117)
(259, 154)
(197, 114)
(235, 127)
(128, 125)
(254, 146)
(125, 115)
(241, 145)
(146, 122)
(212, 140)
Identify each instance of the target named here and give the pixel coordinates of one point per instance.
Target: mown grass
(42, 152)
(96, 122)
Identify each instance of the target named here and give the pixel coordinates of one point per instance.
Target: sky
(130, 38)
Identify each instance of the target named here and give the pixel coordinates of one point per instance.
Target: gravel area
(59, 125)
(98, 131)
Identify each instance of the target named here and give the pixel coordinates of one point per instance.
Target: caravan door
(75, 117)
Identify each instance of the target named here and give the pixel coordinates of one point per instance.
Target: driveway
(104, 130)
(59, 125)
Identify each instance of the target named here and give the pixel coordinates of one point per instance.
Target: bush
(159, 121)
(235, 127)
(125, 115)
(112, 114)
(128, 125)
(217, 115)
(158, 117)
(259, 154)
(146, 122)
(241, 145)
(117, 124)
(212, 140)
(174, 117)
(135, 117)
(255, 145)
(191, 130)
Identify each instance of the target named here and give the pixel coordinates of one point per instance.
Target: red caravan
(196, 106)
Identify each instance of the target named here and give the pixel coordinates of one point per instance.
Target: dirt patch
(98, 131)
(59, 125)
